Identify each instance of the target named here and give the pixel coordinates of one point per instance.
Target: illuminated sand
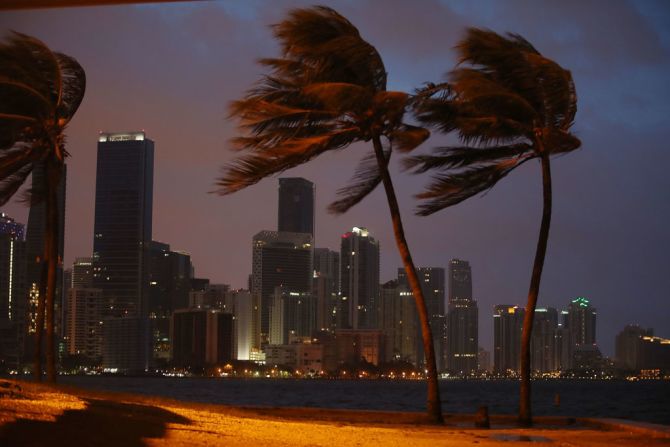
(41, 416)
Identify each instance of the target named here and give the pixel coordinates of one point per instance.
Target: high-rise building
(399, 322)
(432, 285)
(542, 346)
(35, 251)
(201, 338)
(280, 259)
(85, 310)
(245, 314)
(580, 323)
(627, 345)
(326, 287)
(12, 291)
(82, 273)
(122, 234)
(462, 344)
(359, 300)
(292, 314)
(296, 206)
(507, 326)
(12, 269)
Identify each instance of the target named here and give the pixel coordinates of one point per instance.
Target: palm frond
(454, 187)
(366, 178)
(11, 183)
(73, 79)
(406, 138)
(457, 157)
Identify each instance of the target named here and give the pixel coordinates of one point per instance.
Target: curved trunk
(525, 414)
(51, 243)
(434, 404)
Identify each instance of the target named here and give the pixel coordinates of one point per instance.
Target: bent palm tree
(327, 91)
(40, 91)
(509, 105)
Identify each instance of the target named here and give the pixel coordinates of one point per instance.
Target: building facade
(296, 206)
(507, 326)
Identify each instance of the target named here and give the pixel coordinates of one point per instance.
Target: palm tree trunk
(434, 404)
(525, 414)
(52, 246)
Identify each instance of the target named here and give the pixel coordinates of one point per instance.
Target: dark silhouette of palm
(327, 91)
(508, 104)
(40, 90)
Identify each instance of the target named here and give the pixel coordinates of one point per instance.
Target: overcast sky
(171, 70)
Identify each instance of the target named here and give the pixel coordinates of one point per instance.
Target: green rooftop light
(581, 301)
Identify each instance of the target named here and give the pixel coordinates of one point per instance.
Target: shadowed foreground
(39, 415)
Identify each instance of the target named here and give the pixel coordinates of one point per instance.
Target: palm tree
(40, 90)
(509, 104)
(327, 91)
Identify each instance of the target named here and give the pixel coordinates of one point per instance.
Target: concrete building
(85, 311)
(542, 346)
(13, 292)
(399, 322)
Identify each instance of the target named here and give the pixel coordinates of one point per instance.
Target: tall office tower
(359, 300)
(280, 259)
(462, 344)
(542, 345)
(399, 323)
(122, 233)
(507, 325)
(432, 286)
(296, 206)
(326, 287)
(12, 291)
(627, 345)
(35, 250)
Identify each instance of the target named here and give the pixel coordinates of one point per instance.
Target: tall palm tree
(508, 104)
(40, 90)
(327, 91)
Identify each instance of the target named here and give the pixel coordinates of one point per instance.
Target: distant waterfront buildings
(201, 338)
(12, 290)
(121, 240)
(542, 345)
(462, 344)
(637, 350)
(326, 287)
(359, 257)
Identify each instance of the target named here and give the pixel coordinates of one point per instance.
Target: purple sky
(171, 70)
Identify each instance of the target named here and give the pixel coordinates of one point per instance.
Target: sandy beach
(39, 415)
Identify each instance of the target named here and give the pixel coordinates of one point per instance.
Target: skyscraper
(296, 206)
(580, 323)
(280, 259)
(35, 250)
(507, 325)
(398, 320)
(432, 285)
(359, 257)
(122, 233)
(12, 268)
(326, 287)
(462, 321)
(542, 346)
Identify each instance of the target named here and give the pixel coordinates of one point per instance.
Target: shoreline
(67, 415)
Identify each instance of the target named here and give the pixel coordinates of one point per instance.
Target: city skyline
(607, 237)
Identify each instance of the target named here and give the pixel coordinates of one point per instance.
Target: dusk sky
(171, 70)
